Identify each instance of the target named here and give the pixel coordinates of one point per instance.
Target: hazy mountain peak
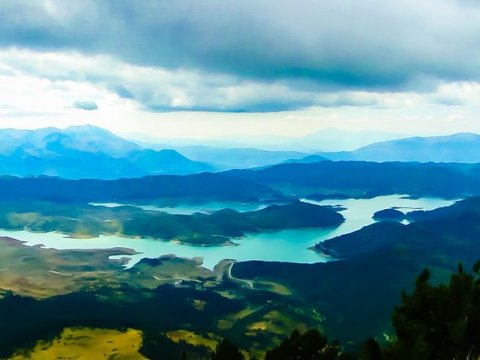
(463, 136)
(89, 130)
(466, 137)
(85, 151)
(94, 139)
(85, 129)
(459, 147)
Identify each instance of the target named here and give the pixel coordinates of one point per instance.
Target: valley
(289, 245)
(256, 302)
(239, 180)
(173, 264)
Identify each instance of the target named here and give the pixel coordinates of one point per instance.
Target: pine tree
(227, 351)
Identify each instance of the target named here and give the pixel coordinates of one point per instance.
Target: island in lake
(389, 215)
(217, 228)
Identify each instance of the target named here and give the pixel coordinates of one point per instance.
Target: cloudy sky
(213, 68)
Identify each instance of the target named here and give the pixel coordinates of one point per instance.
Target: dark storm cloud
(317, 45)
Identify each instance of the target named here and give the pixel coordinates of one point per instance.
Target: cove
(282, 246)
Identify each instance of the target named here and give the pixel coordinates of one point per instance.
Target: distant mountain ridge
(279, 183)
(326, 140)
(362, 179)
(85, 152)
(459, 147)
(241, 158)
(80, 152)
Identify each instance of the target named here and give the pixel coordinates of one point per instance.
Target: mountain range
(460, 147)
(362, 179)
(275, 184)
(356, 146)
(242, 158)
(90, 152)
(85, 152)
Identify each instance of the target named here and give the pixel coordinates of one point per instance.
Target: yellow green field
(192, 338)
(88, 344)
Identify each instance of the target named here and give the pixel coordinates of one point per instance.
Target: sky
(215, 68)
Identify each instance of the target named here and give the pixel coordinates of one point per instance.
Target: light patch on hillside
(87, 344)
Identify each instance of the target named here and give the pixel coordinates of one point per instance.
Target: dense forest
(435, 322)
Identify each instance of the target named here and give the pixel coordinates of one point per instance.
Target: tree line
(435, 322)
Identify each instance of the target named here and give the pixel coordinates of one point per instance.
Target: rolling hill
(374, 265)
(366, 179)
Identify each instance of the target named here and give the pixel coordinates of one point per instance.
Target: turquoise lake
(285, 246)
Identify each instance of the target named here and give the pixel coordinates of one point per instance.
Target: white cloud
(41, 88)
(163, 89)
(458, 93)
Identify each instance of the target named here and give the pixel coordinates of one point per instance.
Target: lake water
(285, 246)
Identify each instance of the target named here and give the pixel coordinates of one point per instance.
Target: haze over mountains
(92, 152)
(460, 147)
(329, 139)
(241, 158)
(84, 152)
(361, 146)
